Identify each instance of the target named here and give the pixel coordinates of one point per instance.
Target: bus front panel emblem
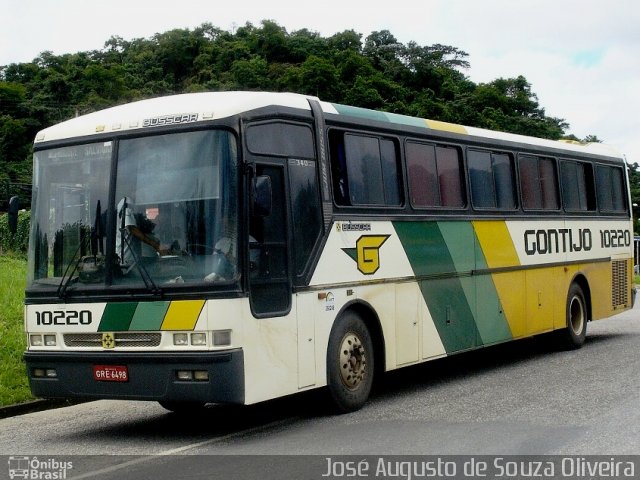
(108, 340)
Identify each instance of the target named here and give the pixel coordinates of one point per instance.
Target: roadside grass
(14, 386)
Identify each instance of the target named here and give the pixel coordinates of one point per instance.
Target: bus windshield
(167, 216)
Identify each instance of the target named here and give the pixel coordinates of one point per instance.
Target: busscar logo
(170, 120)
(367, 253)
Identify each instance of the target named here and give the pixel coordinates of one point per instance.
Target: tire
(350, 363)
(575, 332)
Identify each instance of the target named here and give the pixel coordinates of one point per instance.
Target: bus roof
(172, 109)
(206, 106)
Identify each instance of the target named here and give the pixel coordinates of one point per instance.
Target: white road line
(173, 451)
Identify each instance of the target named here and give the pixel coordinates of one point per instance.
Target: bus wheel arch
(371, 319)
(354, 356)
(582, 282)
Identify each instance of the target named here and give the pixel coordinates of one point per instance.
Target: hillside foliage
(377, 72)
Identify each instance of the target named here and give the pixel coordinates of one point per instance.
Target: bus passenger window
(434, 175)
(365, 170)
(538, 183)
(610, 188)
(491, 177)
(577, 186)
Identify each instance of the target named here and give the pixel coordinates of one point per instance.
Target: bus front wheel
(575, 332)
(350, 363)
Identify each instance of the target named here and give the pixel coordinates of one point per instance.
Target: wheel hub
(576, 315)
(353, 362)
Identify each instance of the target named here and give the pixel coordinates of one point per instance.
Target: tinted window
(305, 209)
(390, 176)
(577, 186)
(365, 170)
(424, 187)
(503, 177)
(491, 176)
(483, 193)
(610, 188)
(434, 175)
(538, 183)
(280, 139)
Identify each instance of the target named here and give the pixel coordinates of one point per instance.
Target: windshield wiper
(95, 245)
(146, 278)
(62, 288)
(125, 243)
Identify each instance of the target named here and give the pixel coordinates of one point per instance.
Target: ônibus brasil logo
(34, 468)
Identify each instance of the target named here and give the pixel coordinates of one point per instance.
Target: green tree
(250, 74)
(380, 72)
(319, 77)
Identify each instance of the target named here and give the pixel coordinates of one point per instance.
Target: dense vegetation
(379, 73)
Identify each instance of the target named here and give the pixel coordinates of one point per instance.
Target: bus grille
(619, 284)
(123, 339)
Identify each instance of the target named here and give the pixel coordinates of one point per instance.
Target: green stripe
(117, 316)
(149, 316)
(379, 116)
(465, 308)
(360, 112)
(429, 254)
(490, 317)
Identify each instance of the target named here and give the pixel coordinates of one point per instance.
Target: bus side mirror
(262, 196)
(14, 207)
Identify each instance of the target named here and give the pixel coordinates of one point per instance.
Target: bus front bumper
(139, 375)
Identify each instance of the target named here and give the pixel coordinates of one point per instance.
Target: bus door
(269, 279)
(284, 152)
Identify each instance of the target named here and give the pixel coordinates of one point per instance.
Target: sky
(581, 57)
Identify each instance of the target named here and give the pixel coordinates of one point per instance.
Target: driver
(135, 228)
(224, 261)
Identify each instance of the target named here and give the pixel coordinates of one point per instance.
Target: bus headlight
(50, 340)
(222, 338)
(180, 339)
(199, 339)
(36, 340)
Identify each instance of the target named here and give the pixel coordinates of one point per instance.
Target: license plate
(110, 373)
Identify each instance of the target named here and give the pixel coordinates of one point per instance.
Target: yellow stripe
(496, 244)
(499, 251)
(182, 315)
(445, 126)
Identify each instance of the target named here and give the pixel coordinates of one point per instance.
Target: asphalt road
(523, 398)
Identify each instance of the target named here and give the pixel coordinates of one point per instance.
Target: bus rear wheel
(350, 363)
(575, 332)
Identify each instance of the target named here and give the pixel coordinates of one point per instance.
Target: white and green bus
(236, 247)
